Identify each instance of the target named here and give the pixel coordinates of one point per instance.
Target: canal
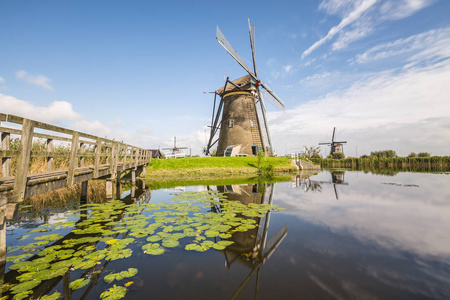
(338, 234)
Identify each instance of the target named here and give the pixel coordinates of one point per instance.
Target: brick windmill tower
(240, 116)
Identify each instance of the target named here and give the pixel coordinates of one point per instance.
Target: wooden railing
(107, 157)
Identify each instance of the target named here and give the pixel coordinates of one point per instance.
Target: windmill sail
(270, 96)
(226, 44)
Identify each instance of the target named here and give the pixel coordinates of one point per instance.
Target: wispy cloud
(427, 46)
(362, 17)
(37, 80)
(2, 80)
(360, 7)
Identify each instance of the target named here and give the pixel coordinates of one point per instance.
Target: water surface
(342, 235)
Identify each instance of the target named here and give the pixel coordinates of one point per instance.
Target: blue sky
(378, 70)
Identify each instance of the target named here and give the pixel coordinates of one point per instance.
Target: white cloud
(56, 112)
(431, 45)
(37, 80)
(400, 9)
(405, 111)
(287, 68)
(2, 80)
(359, 9)
(362, 17)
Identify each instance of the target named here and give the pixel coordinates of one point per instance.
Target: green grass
(207, 168)
(216, 162)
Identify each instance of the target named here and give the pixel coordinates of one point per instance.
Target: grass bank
(387, 162)
(195, 168)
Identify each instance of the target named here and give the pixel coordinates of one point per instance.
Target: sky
(136, 71)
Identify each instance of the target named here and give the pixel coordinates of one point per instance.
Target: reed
(438, 163)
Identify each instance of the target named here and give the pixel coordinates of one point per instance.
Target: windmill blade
(275, 241)
(272, 97)
(324, 143)
(224, 42)
(252, 44)
(336, 192)
(344, 142)
(334, 130)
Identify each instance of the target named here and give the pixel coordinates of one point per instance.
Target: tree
(412, 155)
(424, 154)
(310, 152)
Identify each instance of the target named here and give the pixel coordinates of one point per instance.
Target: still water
(335, 235)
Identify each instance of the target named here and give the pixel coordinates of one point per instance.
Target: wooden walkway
(86, 157)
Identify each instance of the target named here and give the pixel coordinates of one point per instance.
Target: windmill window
(251, 123)
(231, 123)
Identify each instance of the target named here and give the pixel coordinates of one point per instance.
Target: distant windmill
(243, 123)
(175, 150)
(335, 146)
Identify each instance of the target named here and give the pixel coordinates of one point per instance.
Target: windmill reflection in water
(251, 248)
(337, 178)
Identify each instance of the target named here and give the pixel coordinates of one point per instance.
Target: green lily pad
(114, 293)
(170, 243)
(79, 283)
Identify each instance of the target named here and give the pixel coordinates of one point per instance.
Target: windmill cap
(245, 82)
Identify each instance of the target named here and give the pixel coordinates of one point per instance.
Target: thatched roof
(243, 82)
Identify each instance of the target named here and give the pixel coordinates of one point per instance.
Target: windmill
(335, 146)
(251, 248)
(241, 115)
(175, 150)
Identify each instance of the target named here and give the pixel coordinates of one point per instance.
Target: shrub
(338, 155)
(424, 154)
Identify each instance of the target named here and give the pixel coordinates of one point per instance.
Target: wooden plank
(73, 159)
(2, 117)
(6, 161)
(23, 160)
(11, 130)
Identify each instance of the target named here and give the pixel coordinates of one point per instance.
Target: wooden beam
(73, 161)
(6, 161)
(23, 160)
(98, 151)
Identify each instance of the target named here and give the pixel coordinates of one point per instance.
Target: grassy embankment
(197, 168)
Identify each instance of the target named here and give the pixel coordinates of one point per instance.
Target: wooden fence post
(125, 158)
(98, 151)
(20, 180)
(2, 239)
(6, 161)
(109, 189)
(82, 152)
(84, 191)
(49, 155)
(73, 162)
(112, 159)
(136, 157)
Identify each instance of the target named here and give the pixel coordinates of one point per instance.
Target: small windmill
(175, 150)
(241, 114)
(335, 146)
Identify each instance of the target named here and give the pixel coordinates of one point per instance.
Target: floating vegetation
(111, 231)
